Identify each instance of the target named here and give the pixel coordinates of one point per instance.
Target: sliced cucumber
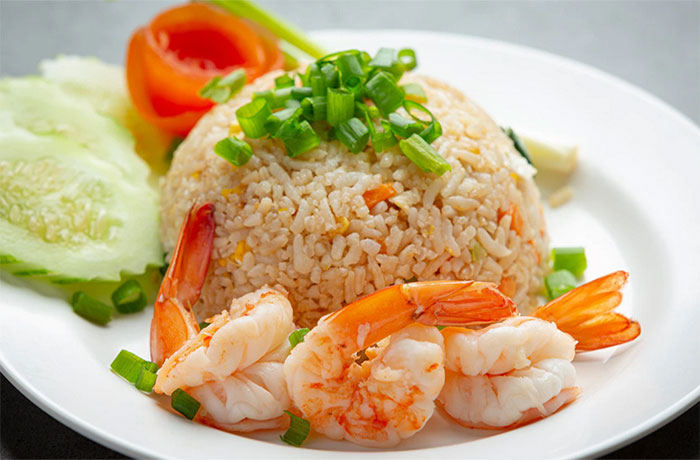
(67, 214)
(103, 85)
(44, 108)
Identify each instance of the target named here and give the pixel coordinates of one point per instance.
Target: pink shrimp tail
(586, 314)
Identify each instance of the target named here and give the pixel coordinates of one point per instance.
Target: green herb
(404, 127)
(354, 134)
(298, 430)
(128, 365)
(221, 89)
(91, 308)
(284, 81)
(477, 252)
(559, 283)
(129, 297)
(234, 150)
(203, 324)
(298, 137)
(414, 92)
(440, 327)
(407, 57)
(146, 380)
(184, 403)
(296, 337)
(423, 155)
(384, 92)
(572, 259)
(519, 146)
(252, 117)
(314, 108)
(302, 93)
(340, 106)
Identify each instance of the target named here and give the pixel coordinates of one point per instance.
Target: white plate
(635, 208)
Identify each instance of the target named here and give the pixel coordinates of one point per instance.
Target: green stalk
(282, 29)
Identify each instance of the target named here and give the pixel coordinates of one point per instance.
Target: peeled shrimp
(390, 396)
(233, 367)
(518, 371)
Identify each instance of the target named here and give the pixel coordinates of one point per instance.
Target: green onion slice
(350, 71)
(518, 144)
(331, 75)
(559, 283)
(440, 327)
(384, 92)
(298, 430)
(407, 57)
(234, 150)
(298, 137)
(284, 81)
(128, 365)
(252, 117)
(572, 259)
(423, 155)
(184, 403)
(354, 134)
(404, 127)
(414, 92)
(340, 106)
(434, 128)
(302, 93)
(387, 59)
(221, 89)
(150, 366)
(146, 380)
(129, 297)
(203, 324)
(328, 58)
(91, 308)
(275, 120)
(296, 337)
(314, 108)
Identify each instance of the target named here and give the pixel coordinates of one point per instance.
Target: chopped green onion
(203, 324)
(329, 58)
(298, 137)
(434, 128)
(387, 60)
(385, 93)
(404, 127)
(146, 380)
(354, 134)
(331, 75)
(558, 283)
(234, 150)
(252, 117)
(275, 98)
(150, 366)
(292, 104)
(383, 141)
(127, 365)
(298, 430)
(439, 328)
(407, 57)
(301, 93)
(350, 70)
(318, 85)
(477, 252)
(129, 297)
(414, 92)
(519, 146)
(91, 308)
(340, 106)
(274, 121)
(412, 106)
(284, 81)
(277, 26)
(221, 89)
(296, 337)
(431, 132)
(314, 108)
(184, 403)
(423, 155)
(373, 112)
(571, 259)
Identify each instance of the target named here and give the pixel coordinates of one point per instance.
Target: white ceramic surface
(635, 208)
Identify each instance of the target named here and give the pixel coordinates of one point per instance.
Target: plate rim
(626, 437)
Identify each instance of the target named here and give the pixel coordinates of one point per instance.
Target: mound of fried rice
(301, 225)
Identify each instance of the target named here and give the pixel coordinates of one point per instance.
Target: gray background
(653, 44)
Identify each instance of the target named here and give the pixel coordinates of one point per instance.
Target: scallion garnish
(302, 93)
(129, 297)
(252, 118)
(184, 403)
(284, 81)
(298, 137)
(384, 92)
(145, 380)
(127, 365)
(221, 89)
(234, 150)
(91, 308)
(572, 259)
(350, 71)
(150, 366)
(298, 430)
(559, 283)
(407, 57)
(423, 155)
(275, 120)
(414, 92)
(203, 324)
(404, 127)
(354, 134)
(340, 106)
(314, 108)
(296, 337)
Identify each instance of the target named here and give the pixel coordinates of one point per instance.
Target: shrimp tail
(173, 320)
(586, 314)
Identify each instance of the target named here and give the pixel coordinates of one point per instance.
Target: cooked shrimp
(518, 371)
(233, 367)
(389, 396)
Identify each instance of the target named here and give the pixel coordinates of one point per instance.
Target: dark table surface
(653, 44)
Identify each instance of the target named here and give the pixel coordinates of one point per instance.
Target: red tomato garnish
(172, 58)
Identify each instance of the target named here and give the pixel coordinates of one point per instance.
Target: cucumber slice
(66, 214)
(44, 108)
(103, 85)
